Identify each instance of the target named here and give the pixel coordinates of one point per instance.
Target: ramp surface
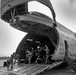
(29, 69)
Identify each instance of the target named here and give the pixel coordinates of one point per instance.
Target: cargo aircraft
(40, 29)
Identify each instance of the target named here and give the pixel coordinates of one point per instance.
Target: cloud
(65, 10)
(65, 13)
(72, 1)
(1, 54)
(0, 8)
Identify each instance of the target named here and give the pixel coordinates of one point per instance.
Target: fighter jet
(41, 31)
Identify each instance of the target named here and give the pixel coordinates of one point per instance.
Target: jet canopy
(11, 8)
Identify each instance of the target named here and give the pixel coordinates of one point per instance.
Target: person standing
(47, 53)
(29, 56)
(40, 53)
(10, 62)
(17, 58)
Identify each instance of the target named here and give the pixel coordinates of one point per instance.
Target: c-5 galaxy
(41, 31)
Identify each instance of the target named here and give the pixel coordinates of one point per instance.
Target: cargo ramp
(29, 69)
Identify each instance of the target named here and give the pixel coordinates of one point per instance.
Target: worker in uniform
(10, 62)
(33, 55)
(40, 54)
(29, 55)
(47, 54)
(17, 58)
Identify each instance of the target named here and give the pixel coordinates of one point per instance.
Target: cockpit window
(35, 6)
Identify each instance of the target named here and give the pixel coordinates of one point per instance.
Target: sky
(65, 14)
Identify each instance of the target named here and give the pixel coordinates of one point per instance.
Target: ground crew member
(40, 55)
(29, 55)
(17, 58)
(10, 62)
(47, 54)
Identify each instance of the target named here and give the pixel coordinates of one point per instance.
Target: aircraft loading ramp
(29, 69)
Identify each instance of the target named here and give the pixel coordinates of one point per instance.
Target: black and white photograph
(37, 37)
